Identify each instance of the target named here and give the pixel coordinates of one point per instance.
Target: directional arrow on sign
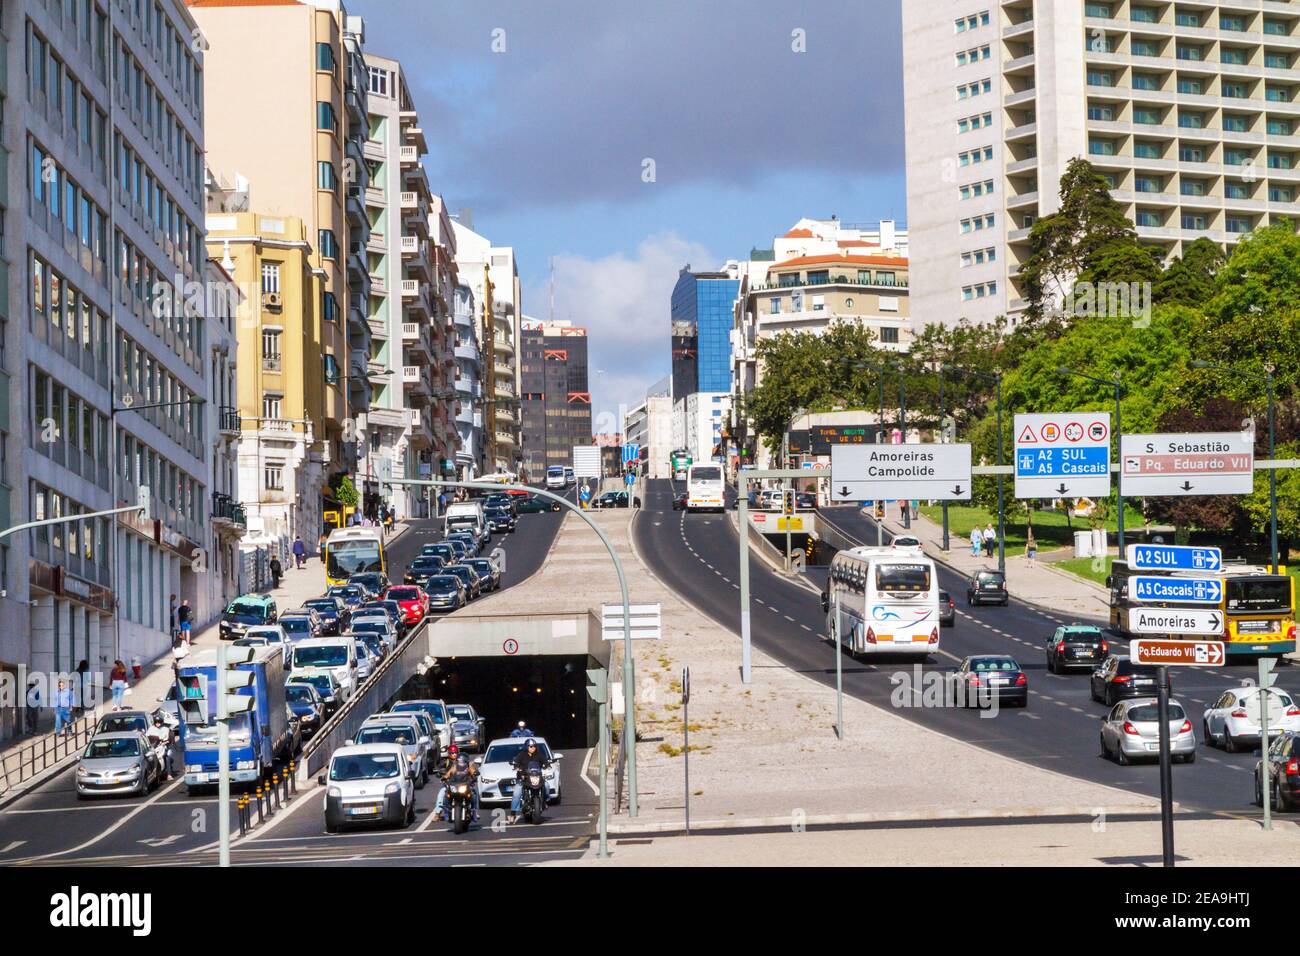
(1186, 486)
(957, 490)
(844, 491)
(1062, 490)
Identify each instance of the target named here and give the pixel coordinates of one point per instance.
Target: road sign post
(1266, 681)
(599, 692)
(1164, 654)
(686, 742)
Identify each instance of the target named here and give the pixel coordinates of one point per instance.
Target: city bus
(680, 461)
(350, 551)
(704, 487)
(888, 602)
(1258, 607)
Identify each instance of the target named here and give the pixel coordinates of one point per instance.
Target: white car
(405, 732)
(268, 634)
(368, 784)
(1131, 731)
(497, 771)
(437, 712)
(1233, 719)
(365, 662)
(906, 542)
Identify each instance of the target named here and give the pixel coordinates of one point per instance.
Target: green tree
(345, 492)
(1190, 279)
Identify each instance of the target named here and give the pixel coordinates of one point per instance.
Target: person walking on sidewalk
(976, 541)
(117, 683)
(320, 546)
(34, 703)
(1031, 547)
(81, 689)
(185, 617)
(63, 701)
(276, 572)
(299, 552)
(990, 539)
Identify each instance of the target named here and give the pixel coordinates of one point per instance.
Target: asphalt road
(697, 555)
(49, 826)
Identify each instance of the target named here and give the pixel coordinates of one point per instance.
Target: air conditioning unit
(271, 300)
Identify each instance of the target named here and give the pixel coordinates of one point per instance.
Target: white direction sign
(1195, 463)
(917, 470)
(1062, 455)
(586, 461)
(1169, 620)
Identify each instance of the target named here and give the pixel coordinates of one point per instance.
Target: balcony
(395, 418)
(270, 363)
(227, 419)
(412, 246)
(378, 285)
(467, 352)
(410, 155)
(897, 282)
(420, 435)
(226, 511)
(414, 338)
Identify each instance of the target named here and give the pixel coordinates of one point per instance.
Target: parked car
(488, 571)
(368, 784)
(446, 593)
(987, 587)
(612, 499)
(468, 729)
(306, 704)
(117, 763)
(947, 610)
(333, 613)
(1233, 719)
(985, 676)
(1131, 731)
(1283, 758)
(1076, 646)
(1117, 677)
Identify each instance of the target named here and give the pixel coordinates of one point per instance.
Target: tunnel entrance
(549, 692)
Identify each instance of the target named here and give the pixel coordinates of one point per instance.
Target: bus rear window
(1259, 594)
(706, 474)
(902, 577)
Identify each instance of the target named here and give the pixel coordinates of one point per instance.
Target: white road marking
(13, 846)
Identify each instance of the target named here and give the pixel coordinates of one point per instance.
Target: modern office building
(408, 433)
(284, 375)
(108, 342)
(1188, 109)
(291, 82)
(555, 393)
(702, 314)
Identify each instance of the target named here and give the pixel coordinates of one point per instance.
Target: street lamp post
(996, 378)
(1267, 378)
(1117, 384)
(942, 437)
(902, 436)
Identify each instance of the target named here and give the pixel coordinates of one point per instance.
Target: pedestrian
(185, 617)
(63, 701)
(117, 683)
(990, 539)
(299, 551)
(82, 689)
(902, 511)
(34, 702)
(388, 521)
(442, 502)
(320, 546)
(276, 571)
(1031, 547)
(976, 541)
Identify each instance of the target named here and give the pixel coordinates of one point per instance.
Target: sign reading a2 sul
(1061, 455)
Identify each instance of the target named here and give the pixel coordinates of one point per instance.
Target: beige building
(288, 82)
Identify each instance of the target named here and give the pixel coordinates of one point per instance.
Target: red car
(412, 600)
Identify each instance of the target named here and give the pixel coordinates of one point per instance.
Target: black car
(446, 593)
(468, 577)
(504, 502)
(372, 581)
(806, 501)
(459, 549)
(1284, 772)
(679, 501)
(333, 613)
(499, 520)
(488, 571)
(947, 610)
(326, 690)
(982, 677)
(374, 641)
(987, 587)
(306, 704)
(421, 568)
(1118, 677)
(468, 540)
(1076, 646)
(612, 499)
(442, 550)
(535, 504)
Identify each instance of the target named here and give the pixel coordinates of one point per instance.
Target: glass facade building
(704, 301)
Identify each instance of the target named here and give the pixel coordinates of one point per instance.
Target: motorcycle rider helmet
(530, 744)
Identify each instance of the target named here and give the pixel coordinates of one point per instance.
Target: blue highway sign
(1176, 590)
(1172, 557)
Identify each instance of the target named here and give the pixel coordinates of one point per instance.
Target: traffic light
(230, 678)
(880, 509)
(193, 699)
(787, 503)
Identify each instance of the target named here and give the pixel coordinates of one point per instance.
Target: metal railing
(46, 752)
(895, 283)
(228, 419)
(223, 506)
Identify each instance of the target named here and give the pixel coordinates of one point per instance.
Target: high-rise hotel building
(1191, 111)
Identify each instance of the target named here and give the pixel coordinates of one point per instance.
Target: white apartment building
(697, 424)
(650, 425)
(468, 385)
(1189, 110)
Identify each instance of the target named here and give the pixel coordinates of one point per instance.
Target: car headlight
(489, 781)
(334, 792)
(391, 789)
(549, 775)
(194, 768)
(83, 772)
(246, 765)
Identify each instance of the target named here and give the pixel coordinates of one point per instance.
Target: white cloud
(623, 301)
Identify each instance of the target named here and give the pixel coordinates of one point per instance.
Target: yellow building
(290, 385)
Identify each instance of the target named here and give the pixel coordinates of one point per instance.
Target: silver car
(120, 762)
(1131, 731)
(468, 729)
(407, 733)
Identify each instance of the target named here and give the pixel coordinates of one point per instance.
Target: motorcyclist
(160, 739)
(522, 731)
(531, 754)
(460, 768)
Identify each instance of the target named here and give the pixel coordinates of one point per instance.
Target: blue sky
(540, 116)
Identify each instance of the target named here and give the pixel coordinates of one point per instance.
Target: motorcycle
(460, 802)
(533, 801)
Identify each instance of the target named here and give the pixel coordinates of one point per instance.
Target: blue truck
(257, 737)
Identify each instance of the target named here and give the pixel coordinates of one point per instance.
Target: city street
(697, 555)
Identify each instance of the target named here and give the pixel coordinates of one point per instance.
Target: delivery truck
(257, 738)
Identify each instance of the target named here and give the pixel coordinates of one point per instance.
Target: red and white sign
(1177, 653)
(511, 646)
(1073, 431)
(1204, 463)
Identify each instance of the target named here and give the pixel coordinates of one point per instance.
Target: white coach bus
(704, 487)
(888, 601)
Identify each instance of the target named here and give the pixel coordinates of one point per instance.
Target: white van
(338, 655)
(468, 516)
(555, 478)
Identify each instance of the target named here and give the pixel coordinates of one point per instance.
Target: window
(273, 476)
(329, 307)
(1192, 187)
(1185, 18)
(1097, 10)
(774, 305)
(889, 336)
(329, 248)
(1235, 157)
(325, 57)
(1276, 28)
(1144, 15)
(1280, 127)
(1144, 150)
(326, 177)
(1190, 86)
(379, 81)
(1232, 22)
(1191, 154)
(1281, 194)
(271, 405)
(1145, 47)
(331, 369)
(1101, 111)
(1149, 184)
(271, 350)
(1190, 120)
(1236, 190)
(1234, 91)
(1101, 78)
(1233, 56)
(1187, 51)
(1146, 81)
(325, 116)
(270, 278)
(1192, 221)
(1277, 94)
(1277, 61)
(1238, 224)
(1235, 122)
(1101, 147)
(1279, 161)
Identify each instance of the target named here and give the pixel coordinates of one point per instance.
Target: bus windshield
(902, 577)
(1258, 595)
(352, 557)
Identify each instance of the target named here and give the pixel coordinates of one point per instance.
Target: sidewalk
(1038, 583)
(156, 676)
